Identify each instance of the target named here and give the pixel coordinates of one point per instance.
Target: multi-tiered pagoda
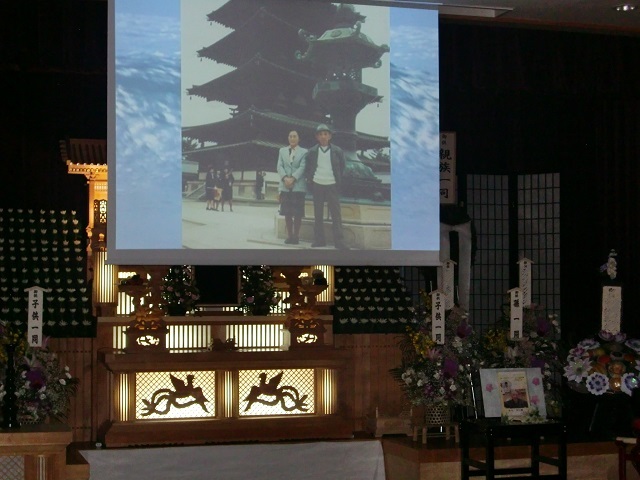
(285, 77)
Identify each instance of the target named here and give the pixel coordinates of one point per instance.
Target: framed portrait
(512, 392)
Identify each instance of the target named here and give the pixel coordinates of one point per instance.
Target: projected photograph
(255, 95)
(276, 130)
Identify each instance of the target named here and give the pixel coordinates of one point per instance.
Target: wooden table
(494, 432)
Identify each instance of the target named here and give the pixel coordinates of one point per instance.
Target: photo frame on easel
(512, 392)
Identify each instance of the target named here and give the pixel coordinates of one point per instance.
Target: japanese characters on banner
(438, 304)
(525, 280)
(445, 281)
(611, 308)
(448, 189)
(515, 303)
(34, 320)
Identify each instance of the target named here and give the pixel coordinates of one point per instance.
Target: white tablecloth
(348, 460)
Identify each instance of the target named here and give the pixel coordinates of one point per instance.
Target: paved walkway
(251, 225)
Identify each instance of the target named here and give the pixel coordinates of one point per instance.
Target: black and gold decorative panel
(276, 392)
(45, 248)
(173, 395)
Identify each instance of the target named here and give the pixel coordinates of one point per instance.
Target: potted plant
(179, 291)
(258, 292)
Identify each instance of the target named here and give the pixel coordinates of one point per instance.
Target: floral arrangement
(433, 374)
(44, 386)
(607, 363)
(178, 289)
(611, 267)
(538, 348)
(258, 291)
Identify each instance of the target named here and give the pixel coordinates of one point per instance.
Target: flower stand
(436, 417)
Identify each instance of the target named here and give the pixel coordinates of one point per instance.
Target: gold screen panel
(276, 392)
(171, 395)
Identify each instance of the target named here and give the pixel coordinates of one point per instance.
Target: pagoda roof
(256, 154)
(346, 46)
(254, 122)
(315, 17)
(241, 45)
(256, 82)
(84, 150)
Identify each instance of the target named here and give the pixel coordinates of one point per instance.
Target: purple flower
(489, 387)
(543, 327)
(588, 344)
(464, 329)
(606, 336)
(450, 367)
(537, 362)
(250, 299)
(629, 383)
(578, 352)
(597, 383)
(534, 399)
(620, 337)
(36, 378)
(536, 381)
(634, 344)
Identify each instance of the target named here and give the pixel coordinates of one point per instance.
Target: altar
(194, 393)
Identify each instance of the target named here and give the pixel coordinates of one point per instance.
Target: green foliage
(258, 290)
(179, 289)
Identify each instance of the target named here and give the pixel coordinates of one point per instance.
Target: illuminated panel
(328, 391)
(256, 337)
(122, 397)
(119, 337)
(276, 392)
(105, 278)
(125, 307)
(186, 395)
(228, 403)
(325, 297)
(188, 337)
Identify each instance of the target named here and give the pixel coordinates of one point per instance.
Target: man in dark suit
(324, 168)
(513, 400)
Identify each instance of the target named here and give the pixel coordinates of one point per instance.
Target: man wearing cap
(324, 167)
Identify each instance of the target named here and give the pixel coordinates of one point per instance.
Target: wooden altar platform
(406, 459)
(227, 379)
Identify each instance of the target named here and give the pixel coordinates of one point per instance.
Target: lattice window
(158, 398)
(293, 394)
(529, 228)
(539, 235)
(11, 467)
(488, 207)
